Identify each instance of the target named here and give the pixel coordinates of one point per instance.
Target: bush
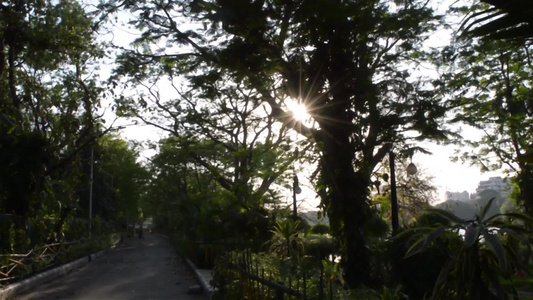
(319, 246)
(320, 228)
(407, 271)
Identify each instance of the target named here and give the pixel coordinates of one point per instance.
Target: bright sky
(450, 176)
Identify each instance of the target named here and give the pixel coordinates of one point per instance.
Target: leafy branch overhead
(225, 129)
(351, 64)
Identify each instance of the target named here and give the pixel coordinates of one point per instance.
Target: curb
(18, 287)
(202, 280)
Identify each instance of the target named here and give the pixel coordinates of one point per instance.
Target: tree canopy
(350, 63)
(219, 78)
(49, 98)
(489, 86)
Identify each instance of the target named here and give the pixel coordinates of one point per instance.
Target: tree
(347, 62)
(489, 85)
(189, 199)
(253, 152)
(504, 19)
(179, 191)
(286, 240)
(47, 109)
(119, 180)
(415, 192)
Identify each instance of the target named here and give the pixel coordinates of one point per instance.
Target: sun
(298, 110)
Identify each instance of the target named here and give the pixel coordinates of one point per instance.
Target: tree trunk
(346, 205)
(525, 181)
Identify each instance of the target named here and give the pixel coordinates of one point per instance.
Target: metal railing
(16, 266)
(257, 283)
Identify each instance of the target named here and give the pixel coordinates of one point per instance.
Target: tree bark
(525, 182)
(347, 207)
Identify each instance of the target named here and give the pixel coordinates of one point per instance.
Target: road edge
(13, 289)
(202, 279)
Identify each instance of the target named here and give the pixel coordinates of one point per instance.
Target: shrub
(320, 228)
(418, 274)
(475, 269)
(319, 246)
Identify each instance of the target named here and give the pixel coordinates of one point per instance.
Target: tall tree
(253, 151)
(415, 191)
(119, 180)
(186, 197)
(47, 104)
(349, 62)
(489, 83)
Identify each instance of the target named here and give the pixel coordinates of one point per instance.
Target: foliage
(348, 63)
(485, 256)
(392, 268)
(489, 84)
(391, 293)
(120, 180)
(320, 228)
(233, 277)
(46, 256)
(286, 240)
(415, 192)
(320, 246)
(502, 20)
(187, 198)
(226, 153)
(252, 153)
(49, 95)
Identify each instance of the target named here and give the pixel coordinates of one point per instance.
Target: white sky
(450, 176)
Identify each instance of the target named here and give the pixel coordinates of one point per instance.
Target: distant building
(457, 196)
(312, 217)
(497, 184)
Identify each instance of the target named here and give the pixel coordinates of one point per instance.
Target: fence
(257, 283)
(17, 266)
(205, 254)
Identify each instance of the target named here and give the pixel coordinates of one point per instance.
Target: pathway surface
(145, 268)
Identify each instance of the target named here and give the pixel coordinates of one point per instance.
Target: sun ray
(298, 110)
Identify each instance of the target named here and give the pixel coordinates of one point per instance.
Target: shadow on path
(145, 268)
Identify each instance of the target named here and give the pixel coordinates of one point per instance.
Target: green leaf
(442, 278)
(472, 235)
(423, 243)
(495, 282)
(497, 248)
(446, 215)
(517, 236)
(416, 248)
(412, 232)
(486, 209)
(516, 216)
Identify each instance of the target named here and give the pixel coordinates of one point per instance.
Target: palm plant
(504, 19)
(486, 255)
(286, 240)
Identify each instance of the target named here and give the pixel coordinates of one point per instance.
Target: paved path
(138, 269)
